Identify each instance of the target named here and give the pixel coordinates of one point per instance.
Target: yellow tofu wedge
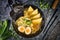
(25, 13)
(30, 9)
(37, 21)
(34, 12)
(36, 16)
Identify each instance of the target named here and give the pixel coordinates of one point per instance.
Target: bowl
(15, 16)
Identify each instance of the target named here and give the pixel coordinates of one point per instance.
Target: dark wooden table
(52, 34)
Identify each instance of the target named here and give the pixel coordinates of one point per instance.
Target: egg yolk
(28, 30)
(21, 29)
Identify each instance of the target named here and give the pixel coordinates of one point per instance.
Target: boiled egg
(21, 29)
(27, 30)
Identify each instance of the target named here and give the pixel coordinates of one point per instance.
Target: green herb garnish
(44, 5)
(27, 21)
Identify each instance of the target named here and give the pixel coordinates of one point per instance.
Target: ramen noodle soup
(31, 22)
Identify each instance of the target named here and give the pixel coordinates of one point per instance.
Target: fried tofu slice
(25, 13)
(37, 21)
(36, 16)
(30, 9)
(34, 12)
